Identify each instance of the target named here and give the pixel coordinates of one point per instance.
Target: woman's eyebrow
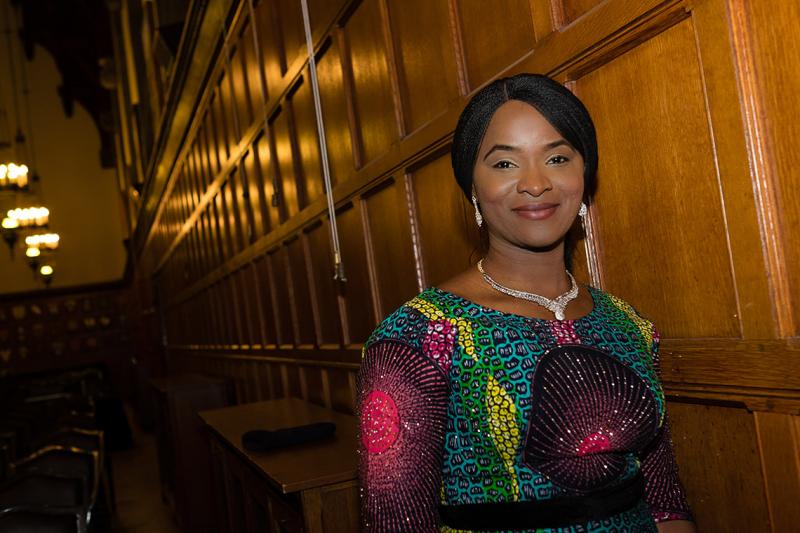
(504, 147)
(556, 144)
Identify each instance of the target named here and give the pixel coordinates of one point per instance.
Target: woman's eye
(558, 160)
(504, 164)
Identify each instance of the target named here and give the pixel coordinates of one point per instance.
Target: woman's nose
(534, 182)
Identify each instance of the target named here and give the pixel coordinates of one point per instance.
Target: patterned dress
(461, 404)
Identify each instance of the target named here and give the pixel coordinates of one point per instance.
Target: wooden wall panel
(717, 452)
(779, 444)
(360, 315)
(316, 385)
(303, 314)
(280, 297)
(342, 392)
(322, 13)
(324, 287)
(290, 15)
(285, 150)
(266, 164)
(256, 202)
(335, 110)
(269, 47)
(237, 210)
(390, 244)
(245, 308)
(426, 58)
(776, 54)
(252, 72)
(265, 302)
(227, 133)
(485, 54)
(571, 10)
(212, 155)
(659, 193)
(374, 105)
(231, 295)
(307, 141)
(241, 86)
(448, 234)
(232, 225)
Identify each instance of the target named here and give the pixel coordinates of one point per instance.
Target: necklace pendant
(559, 314)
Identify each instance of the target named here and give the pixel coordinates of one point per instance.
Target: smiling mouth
(536, 211)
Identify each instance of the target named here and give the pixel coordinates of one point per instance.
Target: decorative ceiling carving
(78, 35)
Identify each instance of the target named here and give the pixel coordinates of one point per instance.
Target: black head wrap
(555, 102)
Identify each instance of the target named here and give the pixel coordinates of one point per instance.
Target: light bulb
(33, 252)
(46, 270)
(10, 223)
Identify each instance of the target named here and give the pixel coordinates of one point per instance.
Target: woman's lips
(536, 211)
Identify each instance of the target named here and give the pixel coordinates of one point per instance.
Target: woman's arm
(664, 492)
(402, 408)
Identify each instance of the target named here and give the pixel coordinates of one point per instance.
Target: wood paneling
(240, 86)
(269, 48)
(658, 179)
(360, 315)
(285, 149)
(573, 9)
(374, 105)
(725, 119)
(336, 109)
(426, 60)
(262, 283)
(326, 301)
(280, 296)
(694, 222)
(780, 449)
(290, 15)
(708, 440)
(305, 331)
(252, 72)
(307, 141)
(390, 244)
(494, 38)
(266, 166)
(446, 222)
(256, 202)
(776, 54)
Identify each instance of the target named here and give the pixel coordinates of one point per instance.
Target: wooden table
(311, 487)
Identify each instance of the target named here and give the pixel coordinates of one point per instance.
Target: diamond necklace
(555, 306)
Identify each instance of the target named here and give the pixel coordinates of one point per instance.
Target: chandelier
(13, 177)
(22, 216)
(27, 217)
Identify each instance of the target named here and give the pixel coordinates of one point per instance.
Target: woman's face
(528, 179)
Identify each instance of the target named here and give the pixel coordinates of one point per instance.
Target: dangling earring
(478, 217)
(583, 211)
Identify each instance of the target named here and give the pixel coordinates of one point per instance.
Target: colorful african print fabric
(461, 404)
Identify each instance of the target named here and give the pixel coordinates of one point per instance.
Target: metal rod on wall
(323, 149)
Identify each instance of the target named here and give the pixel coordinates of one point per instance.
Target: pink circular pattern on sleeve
(380, 422)
(438, 343)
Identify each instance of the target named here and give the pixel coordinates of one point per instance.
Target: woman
(509, 398)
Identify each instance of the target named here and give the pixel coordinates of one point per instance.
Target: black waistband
(557, 512)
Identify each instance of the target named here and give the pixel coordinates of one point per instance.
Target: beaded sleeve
(402, 408)
(664, 492)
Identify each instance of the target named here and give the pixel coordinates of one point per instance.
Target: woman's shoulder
(616, 303)
(410, 322)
